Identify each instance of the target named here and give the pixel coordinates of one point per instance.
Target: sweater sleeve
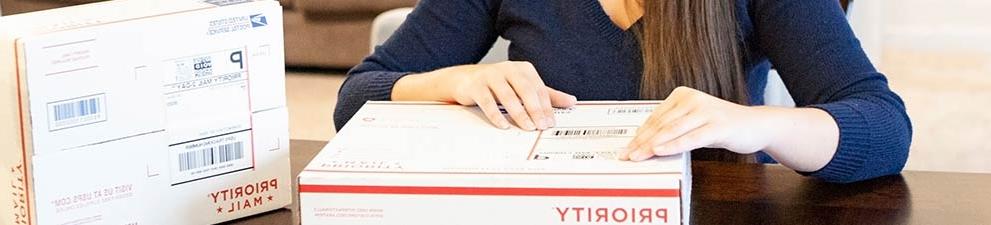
(822, 64)
(435, 35)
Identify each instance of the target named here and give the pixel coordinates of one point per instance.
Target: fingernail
(549, 122)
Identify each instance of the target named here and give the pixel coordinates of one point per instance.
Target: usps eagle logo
(258, 20)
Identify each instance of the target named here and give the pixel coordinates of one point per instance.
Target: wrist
(421, 87)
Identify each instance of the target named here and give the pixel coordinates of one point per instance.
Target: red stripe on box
(493, 191)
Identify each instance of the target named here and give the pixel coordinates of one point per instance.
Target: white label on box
(210, 157)
(209, 115)
(207, 95)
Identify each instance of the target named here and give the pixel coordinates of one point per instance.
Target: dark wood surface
(730, 193)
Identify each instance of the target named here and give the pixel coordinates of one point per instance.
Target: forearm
(805, 139)
(429, 86)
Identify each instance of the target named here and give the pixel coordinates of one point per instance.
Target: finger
(672, 108)
(695, 139)
(661, 108)
(645, 129)
(674, 100)
(657, 121)
(526, 90)
(677, 128)
(489, 107)
(530, 72)
(560, 99)
(505, 95)
(545, 101)
(649, 124)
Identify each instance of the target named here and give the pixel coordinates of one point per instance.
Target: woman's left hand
(690, 119)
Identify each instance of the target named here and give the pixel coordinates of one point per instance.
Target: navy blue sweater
(577, 49)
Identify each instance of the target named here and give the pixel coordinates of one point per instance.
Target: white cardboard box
(431, 163)
(143, 112)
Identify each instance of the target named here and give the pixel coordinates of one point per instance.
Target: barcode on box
(211, 156)
(75, 109)
(76, 112)
(630, 110)
(590, 132)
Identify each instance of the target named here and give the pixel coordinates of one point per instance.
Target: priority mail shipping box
(429, 163)
(143, 112)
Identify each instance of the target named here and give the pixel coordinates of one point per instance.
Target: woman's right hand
(515, 85)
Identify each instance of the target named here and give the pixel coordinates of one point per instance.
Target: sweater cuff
(380, 86)
(854, 143)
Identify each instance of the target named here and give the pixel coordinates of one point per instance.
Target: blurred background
(936, 55)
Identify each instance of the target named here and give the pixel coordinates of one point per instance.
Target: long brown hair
(692, 43)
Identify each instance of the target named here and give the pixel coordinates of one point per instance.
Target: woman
(707, 58)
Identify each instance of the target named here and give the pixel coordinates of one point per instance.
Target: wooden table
(729, 193)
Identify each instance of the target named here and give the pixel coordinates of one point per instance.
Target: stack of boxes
(143, 112)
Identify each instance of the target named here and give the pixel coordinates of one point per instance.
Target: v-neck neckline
(604, 23)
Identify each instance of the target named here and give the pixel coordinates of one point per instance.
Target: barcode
(75, 109)
(589, 132)
(631, 110)
(211, 156)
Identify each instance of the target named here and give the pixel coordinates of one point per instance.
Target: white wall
(937, 55)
